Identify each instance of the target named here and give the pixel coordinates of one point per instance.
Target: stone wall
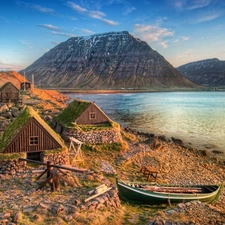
(91, 137)
(12, 167)
(57, 158)
(17, 167)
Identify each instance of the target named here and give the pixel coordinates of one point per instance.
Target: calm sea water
(195, 117)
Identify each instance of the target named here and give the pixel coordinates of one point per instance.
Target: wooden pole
(56, 166)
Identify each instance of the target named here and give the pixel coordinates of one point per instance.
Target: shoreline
(119, 91)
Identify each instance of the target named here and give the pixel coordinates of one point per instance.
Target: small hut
(83, 113)
(30, 134)
(9, 93)
(86, 122)
(25, 86)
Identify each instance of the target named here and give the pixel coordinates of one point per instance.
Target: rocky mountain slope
(209, 72)
(13, 77)
(105, 61)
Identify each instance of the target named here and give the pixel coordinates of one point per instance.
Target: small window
(92, 115)
(33, 140)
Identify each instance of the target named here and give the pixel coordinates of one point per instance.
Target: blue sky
(181, 30)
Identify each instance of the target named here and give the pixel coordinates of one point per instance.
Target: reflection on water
(196, 117)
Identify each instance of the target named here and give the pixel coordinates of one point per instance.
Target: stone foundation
(12, 167)
(17, 167)
(59, 159)
(90, 137)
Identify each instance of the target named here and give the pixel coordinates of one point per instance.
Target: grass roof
(1, 88)
(72, 112)
(17, 125)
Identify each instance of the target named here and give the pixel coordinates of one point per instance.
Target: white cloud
(190, 5)
(185, 38)
(93, 14)
(87, 31)
(76, 7)
(9, 67)
(48, 26)
(63, 34)
(198, 4)
(37, 7)
(164, 44)
(96, 14)
(151, 33)
(210, 16)
(110, 22)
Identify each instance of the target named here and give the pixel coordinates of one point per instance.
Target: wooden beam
(73, 169)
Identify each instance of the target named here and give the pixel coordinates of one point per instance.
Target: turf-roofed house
(9, 93)
(29, 136)
(86, 122)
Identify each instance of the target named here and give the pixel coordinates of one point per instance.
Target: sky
(182, 31)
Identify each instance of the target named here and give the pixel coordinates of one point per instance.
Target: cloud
(151, 33)
(164, 44)
(63, 34)
(8, 67)
(210, 16)
(180, 40)
(48, 26)
(96, 14)
(93, 14)
(129, 10)
(37, 7)
(185, 38)
(198, 4)
(87, 31)
(110, 22)
(76, 7)
(190, 4)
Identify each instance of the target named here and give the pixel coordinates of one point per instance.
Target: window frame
(92, 115)
(34, 140)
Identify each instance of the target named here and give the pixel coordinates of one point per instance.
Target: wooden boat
(153, 194)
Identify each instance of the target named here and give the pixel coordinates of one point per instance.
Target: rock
(37, 217)
(15, 112)
(18, 217)
(60, 209)
(177, 141)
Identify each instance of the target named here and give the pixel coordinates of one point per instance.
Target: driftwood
(96, 195)
(173, 189)
(73, 169)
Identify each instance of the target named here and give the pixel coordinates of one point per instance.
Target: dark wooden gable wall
(9, 93)
(92, 115)
(32, 138)
(25, 86)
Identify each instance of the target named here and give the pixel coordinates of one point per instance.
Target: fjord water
(195, 117)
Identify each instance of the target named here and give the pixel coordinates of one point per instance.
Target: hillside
(39, 95)
(209, 72)
(13, 77)
(115, 60)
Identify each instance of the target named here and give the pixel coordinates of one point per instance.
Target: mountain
(105, 61)
(209, 72)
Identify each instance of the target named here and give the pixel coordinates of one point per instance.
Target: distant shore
(118, 91)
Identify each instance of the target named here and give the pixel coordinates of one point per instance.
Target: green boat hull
(137, 195)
